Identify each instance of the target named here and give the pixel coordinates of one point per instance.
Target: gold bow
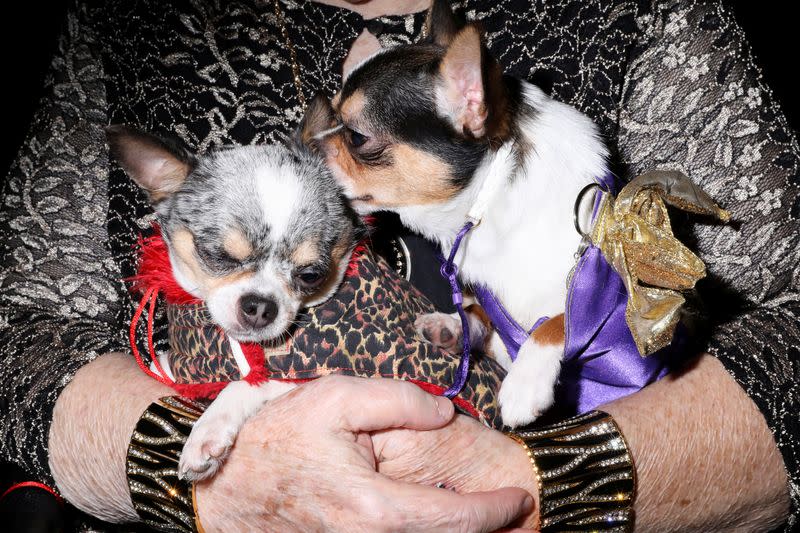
(634, 233)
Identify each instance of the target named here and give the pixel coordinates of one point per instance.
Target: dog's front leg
(528, 388)
(215, 431)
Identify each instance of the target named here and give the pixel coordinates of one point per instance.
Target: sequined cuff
(161, 500)
(585, 474)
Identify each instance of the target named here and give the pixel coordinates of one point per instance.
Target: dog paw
(206, 448)
(441, 330)
(528, 389)
(522, 405)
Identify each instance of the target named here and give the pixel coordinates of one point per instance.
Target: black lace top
(671, 83)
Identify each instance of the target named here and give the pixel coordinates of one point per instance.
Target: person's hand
(306, 463)
(464, 455)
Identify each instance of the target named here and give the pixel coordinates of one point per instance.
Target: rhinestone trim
(585, 474)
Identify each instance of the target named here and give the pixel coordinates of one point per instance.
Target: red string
(438, 390)
(151, 293)
(34, 484)
(150, 346)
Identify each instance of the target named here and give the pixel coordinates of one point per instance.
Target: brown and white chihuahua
(257, 232)
(428, 131)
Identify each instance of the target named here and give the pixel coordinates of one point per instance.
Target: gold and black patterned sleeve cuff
(585, 473)
(161, 500)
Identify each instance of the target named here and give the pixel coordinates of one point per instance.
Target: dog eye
(216, 259)
(310, 279)
(357, 139)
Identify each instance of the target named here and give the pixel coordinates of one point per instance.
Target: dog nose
(257, 311)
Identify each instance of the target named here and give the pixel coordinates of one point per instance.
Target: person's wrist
(518, 472)
(216, 501)
(105, 399)
(161, 499)
(584, 471)
(205, 506)
(224, 503)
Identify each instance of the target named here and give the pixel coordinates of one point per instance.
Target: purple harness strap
(509, 330)
(601, 362)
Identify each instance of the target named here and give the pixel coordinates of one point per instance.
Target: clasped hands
(354, 454)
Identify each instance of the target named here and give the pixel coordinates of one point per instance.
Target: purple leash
(450, 272)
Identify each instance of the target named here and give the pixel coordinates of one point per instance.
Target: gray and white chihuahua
(257, 232)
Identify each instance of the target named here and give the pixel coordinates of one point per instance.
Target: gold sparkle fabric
(635, 235)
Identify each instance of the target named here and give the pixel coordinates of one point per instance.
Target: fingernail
(443, 407)
(527, 505)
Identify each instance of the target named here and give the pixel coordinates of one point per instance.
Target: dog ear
(157, 165)
(462, 97)
(441, 25)
(318, 119)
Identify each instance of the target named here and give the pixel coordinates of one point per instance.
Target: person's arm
(704, 457)
(59, 288)
(93, 421)
(694, 100)
(305, 462)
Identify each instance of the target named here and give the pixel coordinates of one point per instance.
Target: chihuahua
(257, 233)
(429, 131)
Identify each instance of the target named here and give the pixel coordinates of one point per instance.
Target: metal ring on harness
(577, 207)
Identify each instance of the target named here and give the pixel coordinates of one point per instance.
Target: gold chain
(292, 53)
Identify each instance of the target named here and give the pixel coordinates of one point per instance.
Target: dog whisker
(330, 131)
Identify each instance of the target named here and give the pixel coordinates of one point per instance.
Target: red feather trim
(352, 266)
(200, 391)
(254, 354)
(155, 271)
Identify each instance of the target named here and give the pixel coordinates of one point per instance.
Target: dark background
(28, 38)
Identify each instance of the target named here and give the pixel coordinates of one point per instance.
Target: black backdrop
(28, 38)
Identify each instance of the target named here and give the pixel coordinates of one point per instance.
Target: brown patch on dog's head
(236, 244)
(305, 253)
(182, 243)
(410, 176)
(353, 106)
